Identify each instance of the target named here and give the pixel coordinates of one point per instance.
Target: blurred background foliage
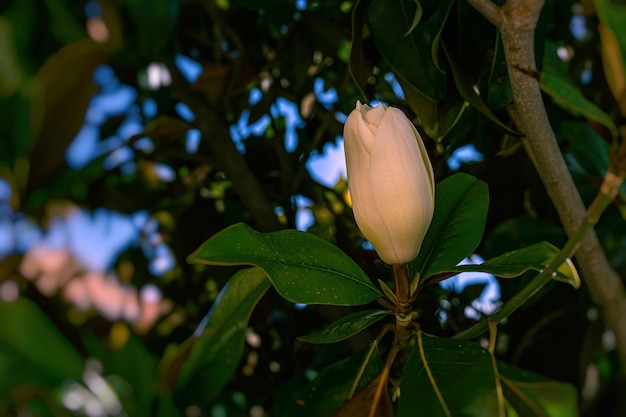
(132, 131)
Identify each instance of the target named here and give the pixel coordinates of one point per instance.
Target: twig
(231, 162)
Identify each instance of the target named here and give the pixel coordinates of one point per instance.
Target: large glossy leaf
(461, 204)
(345, 327)
(302, 267)
(217, 350)
(326, 393)
(391, 24)
(445, 378)
(515, 263)
(32, 349)
(534, 396)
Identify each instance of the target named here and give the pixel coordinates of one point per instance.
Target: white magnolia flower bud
(391, 181)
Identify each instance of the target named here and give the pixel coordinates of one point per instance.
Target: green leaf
(345, 327)
(412, 55)
(590, 150)
(154, 21)
(515, 263)
(218, 348)
(556, 84)
(436, 118)
(466, 89)
(326, 393)
(613, 15)
(461, 204)
(359, 66)
(444, 377)
(302, 267)
(532, 395)
(32, 349)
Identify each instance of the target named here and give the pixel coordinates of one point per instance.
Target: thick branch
(216, 135)
(519, 19)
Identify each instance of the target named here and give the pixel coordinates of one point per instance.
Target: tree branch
(489, 10)
(216, 135)
(517, 26)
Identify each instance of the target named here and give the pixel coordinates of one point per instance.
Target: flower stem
(403, 304)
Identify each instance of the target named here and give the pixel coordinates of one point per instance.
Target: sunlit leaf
(612, 30)
(515, 263)
(345, 327)
(302, 267)
(219, 341)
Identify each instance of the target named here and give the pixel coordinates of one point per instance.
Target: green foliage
(461, 204)
(345, 327)
(217, 346)
(302, 267)
(513, 264)
(321, 357)
(330, 389)
(33, 350)
(445, 377)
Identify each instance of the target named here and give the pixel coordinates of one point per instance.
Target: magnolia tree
(349, 318)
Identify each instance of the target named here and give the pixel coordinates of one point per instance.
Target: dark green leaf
(345, 327)
(302, 267)
(534, 396)
(326, 393)
(444, 377)
(466, 89)
(461, 204)
(217, 350)
(514, 264)
(589, 149)
(154, 21)
(360, 67)
(436, 118)
(32, 349)
(391, 21)
(566, 94)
